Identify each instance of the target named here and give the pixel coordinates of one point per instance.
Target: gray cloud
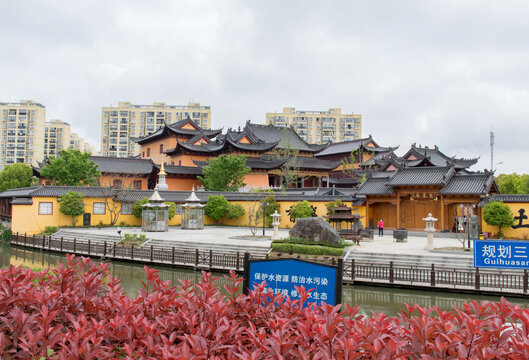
(418, 71)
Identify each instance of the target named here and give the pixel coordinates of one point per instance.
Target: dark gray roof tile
(375, 186)
(287, 137)
(468, 184)
(111, 165)
(422, 176)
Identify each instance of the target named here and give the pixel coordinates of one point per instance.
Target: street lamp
(265, 204)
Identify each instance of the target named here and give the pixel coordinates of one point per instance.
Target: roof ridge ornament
(162, 169)
(193, 197)
(155, 197)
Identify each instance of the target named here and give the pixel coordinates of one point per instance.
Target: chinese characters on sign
(520, 219)
(502, 254)
(283, 275)
(277, 280)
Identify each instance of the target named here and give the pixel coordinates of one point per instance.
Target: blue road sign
(283, 275)
(501, 254)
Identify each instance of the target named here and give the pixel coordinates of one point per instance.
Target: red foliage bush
(80, 312)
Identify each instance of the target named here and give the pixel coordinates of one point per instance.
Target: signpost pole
(246, 276)
(339, 276)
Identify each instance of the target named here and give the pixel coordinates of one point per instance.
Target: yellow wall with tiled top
(26, 218)
(509, 232)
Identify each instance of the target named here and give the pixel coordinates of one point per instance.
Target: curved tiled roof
(346, 147)
(253, 163)
(436, 157)
(313, 163)
(422, 176)
(180, 170)
(510, 198)
(122, 165)
(287, 138)
(469, 184)
(176, 128)
(202, 148)
(375, 186)
(260, 146)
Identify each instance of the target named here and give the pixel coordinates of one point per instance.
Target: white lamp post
(430, 229)
(275, 223)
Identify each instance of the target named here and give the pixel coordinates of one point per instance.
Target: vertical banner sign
(283, 275)
(501, 254)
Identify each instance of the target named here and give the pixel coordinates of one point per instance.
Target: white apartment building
(22, 139)
(319, 127)
(120, 124)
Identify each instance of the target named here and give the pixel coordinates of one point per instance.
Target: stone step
(225, 248)
(441, 260)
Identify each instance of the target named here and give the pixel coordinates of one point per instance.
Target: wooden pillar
(328, 180)
(443, 226)
(367, 213)
(398, 211)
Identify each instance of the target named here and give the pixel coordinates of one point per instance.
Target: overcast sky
(429, 72)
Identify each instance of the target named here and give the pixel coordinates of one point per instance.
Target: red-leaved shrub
(80, 312)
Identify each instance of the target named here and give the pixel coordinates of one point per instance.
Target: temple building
(185, 147)
(404, 189)
(357, 157)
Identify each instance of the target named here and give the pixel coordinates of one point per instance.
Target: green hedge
(306, 249)
(301, 241)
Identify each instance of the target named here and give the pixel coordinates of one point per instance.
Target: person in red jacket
(380, 226)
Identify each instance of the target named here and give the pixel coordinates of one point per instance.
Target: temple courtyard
(240, 239)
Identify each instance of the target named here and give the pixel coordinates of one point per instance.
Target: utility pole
(492, 151)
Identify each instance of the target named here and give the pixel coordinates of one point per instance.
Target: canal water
(370, 298)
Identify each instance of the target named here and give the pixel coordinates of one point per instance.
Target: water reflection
(370, 299)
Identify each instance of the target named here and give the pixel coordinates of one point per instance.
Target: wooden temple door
(386, 211)
(413, 212)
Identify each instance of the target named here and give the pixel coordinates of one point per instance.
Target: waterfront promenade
(380, 262)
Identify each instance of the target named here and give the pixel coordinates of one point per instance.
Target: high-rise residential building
(81, 144)
(319, 127)
(120, 124)
(57, 135)
(22, 139)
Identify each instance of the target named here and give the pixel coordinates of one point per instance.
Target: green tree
(496, 213)
(331, 205)
(271, 206)
(513, 183)
(301, 209)
(72, 203)
(172, 209)
(137, 209)
(216, 207)
(224, 173)
(351, 165)
(15, 176)
(72, 168)
(234, 211)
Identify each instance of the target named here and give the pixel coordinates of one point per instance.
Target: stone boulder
(316, 229)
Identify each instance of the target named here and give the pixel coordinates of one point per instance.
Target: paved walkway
(414, 246)
(219, 235)
(216, 235)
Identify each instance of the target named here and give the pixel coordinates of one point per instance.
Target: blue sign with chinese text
(501, 254)
(283, 275)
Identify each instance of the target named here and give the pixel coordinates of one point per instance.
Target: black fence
(495, 281)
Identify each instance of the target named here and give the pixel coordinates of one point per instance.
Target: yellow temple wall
(26, 218)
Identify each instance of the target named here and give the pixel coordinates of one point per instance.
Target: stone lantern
(193, 217)
(155, 214)
(430, 229)
(275, 223)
